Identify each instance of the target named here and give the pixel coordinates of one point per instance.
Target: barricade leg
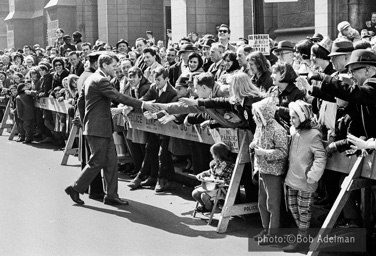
(229, 209)
(13, 132)
(4, 124)
(68, 150)
(337, 207)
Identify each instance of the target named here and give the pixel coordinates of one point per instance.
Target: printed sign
(260, 42)
(52, 104)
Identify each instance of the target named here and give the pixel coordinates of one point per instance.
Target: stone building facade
(30, 22)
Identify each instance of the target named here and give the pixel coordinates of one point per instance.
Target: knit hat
(302, 109)
(343, 25)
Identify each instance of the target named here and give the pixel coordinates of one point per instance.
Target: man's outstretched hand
(315, 76)
(151, 107)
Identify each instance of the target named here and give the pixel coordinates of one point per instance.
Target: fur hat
(302, 109)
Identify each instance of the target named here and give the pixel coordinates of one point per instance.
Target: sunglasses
(222, 31)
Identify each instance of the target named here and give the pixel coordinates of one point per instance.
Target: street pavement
(38, 218)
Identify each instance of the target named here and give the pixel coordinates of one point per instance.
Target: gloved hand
(315, 76)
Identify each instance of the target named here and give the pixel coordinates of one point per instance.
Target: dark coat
(78, 70)
(174, 73)
(95, 113)
(57, 79)
(243, 111)
(46, 84)
(290, 94)
(364, 98)
(25, 107)
(166, 97)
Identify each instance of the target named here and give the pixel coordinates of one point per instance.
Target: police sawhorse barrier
(360, 170)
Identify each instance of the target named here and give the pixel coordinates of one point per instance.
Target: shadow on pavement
(159, 218)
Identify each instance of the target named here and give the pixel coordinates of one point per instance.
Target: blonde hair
(241, 86)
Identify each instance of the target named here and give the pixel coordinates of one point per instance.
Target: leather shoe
(74, 195)
(116, 201)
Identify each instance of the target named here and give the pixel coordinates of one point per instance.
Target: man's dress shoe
(116, 201)
(74, 195)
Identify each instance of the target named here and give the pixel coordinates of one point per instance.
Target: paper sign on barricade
(52, 104)
(260, 42)
(228, 136)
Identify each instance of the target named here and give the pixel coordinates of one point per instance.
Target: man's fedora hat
(326, 43)
(361, 56)
(186, 48)
(284, 46)
(122, 41)
(341, 48)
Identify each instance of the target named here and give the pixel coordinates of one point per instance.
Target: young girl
(221, 168)
(307, 160)
(270, 144)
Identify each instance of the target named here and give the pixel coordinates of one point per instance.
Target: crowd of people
(293, 99)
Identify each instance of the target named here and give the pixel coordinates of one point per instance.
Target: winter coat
(270, 135)
(307, 158)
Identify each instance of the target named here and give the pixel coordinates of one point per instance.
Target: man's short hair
(225, 26)
(219, 46)
(150, 50)
(160, 71)
(86, 44)
(246, 48)
(142, 39)
(171, 49)
(73, 53)
(107, 58)
(135, 71)
(205, 78)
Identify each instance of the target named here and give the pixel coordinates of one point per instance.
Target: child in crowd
(270, 145)
(307, 160)
(25, 113)
(221, 169)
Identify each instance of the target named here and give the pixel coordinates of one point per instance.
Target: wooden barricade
(4, 122)
(361, 176)
(61, 107)
(209, 136)
(69, 150)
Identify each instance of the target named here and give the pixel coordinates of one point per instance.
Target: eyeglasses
(223, 31)
(58, 65)
(351, 72)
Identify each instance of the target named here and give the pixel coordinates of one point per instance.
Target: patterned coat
(269, 134)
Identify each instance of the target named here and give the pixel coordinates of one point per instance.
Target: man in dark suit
(216, 53)
(177, 69)
(77, 67)
(162, 92)
(97, 123)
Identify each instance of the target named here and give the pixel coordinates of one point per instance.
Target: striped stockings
(299, 203)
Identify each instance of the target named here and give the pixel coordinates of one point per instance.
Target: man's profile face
(241, 58)
(109, 69)
(200, 90)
